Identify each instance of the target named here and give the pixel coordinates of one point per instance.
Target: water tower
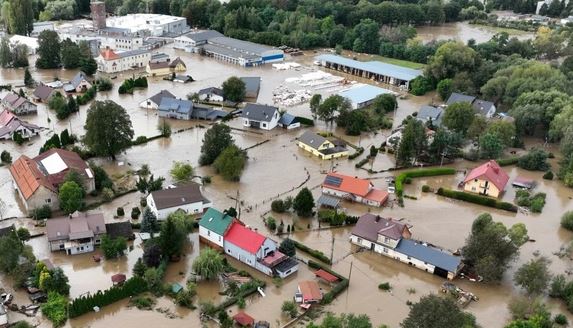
(98, 14)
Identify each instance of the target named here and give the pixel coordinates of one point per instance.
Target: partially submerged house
(38, 179)
(363, 95)
(11, 125)
(75, 234)
(165, 67)
(288, 121)
(78, 84)
(308, 292)
(320, 146)
(185, 197)
(392, 238)
(43, 93)
(213, 226)
(481, 107)
(257, 251)
(488, 179)
(252, 87)
(431, 115)
(353, 189)
(211, 94)
(186, 110)
(260, 116)
(18, 105)
(154, 101)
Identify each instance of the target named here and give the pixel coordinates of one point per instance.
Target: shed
(309, 291)
(328, 201)
(363, 95)
(243, 319)
(118, 279)
(176, 287)
(521, 182)
(329, 277)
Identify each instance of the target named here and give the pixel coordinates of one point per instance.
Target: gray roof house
(392, 238)
(186, 197)
(484, 108)
(11, 124)
(154, 101)
(252, 87)
(43, 93)
(79, 83)
(186, 110)
(211, 94)
(260, 116)
(431, 113)
(459, 98)
(77, 233)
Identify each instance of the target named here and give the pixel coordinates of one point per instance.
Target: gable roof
(188, 193)
(490, 171)
(482, 106)
(428, 254)
(43, 92)
(27, 176)
(346, 183)
(175, 105)
(159, 65)
(5, 117)
(288, 119)
(10, 123)
(459, 98)
(156, 98)
(109, 54)
(310, 291)
(312, 139)
(369, 226)
(75, 226)
(78, 78)
(14, 100)
(211, 90)
(245, 238)
(399, 72)
(244, 319)
(258, 112)
(430, 112)
(216, 221)
(176, 62)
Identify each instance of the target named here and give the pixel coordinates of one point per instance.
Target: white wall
(162, 214)
(211, 236)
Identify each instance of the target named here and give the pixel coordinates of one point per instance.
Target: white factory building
(156, 24)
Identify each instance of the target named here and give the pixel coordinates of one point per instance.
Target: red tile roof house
(488, 179)
(393, 239)
(38, 179)
(10, 124)
(75, 234)
(308, 292)
(18, 105)
(257, 251)
(353, 189)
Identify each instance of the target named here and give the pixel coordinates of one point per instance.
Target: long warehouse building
(373, 70)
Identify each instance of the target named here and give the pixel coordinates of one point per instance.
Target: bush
(143, 203)
(417, 174)
(128, 85)
(278, 206)
(361, 163)
(107, 194)
(477, 199)
(55, 309)
(312, 252)
(548, 175)
(507, 161)
(271, 223)
(426, 188)
(87, 96)
(535, 160)
(560, 319)
(103, 84)
(385, 286)
(135, 212)
(408, 180)
(120, 212)
(139, 140)
(537, 203)
(358, 152)
(5, 157)
(44, 212)
(567, 220)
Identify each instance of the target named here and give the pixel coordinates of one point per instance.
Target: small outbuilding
(363, 95)
(308, 292)
(118, 279)
(243, 319)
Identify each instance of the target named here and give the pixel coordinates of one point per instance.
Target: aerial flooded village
(312, 164)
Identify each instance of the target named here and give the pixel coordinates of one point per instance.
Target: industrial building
(150, 24)
(214, 44)
(373, 70)
(363, 95)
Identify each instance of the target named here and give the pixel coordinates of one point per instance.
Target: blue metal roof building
(429, 255)
(362, 96)
(379, 71)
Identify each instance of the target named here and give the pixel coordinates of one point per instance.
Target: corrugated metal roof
(377, 67)
(363, 93)
(325, 200)
(429, 255)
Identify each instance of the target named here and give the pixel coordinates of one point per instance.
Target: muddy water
(463, 31)
(274, 168)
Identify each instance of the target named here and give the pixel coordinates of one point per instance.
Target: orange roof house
(309, 292)
(488, 179)
(353, 189)
(38, 179)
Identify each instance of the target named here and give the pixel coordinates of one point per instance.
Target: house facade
(320, 146)
(75, 234)
(10, 125)
(111, 62)
(18, 105)
(211, 94)
(213, 226)
(154, 101)
(186, 197)
(78, 84)
(165, 67)
(353, 189)
(392, 238)
(38, 179)
(260, 116)
(488, 179)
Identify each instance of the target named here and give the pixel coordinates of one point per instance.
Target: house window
(208, 233)
(473, 188)
(386, 240)
(408, 258)
(359, 240)
(49, 200)
(475, 180)
(385, 250)
(61, 246)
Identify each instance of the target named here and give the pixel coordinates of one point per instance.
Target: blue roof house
(362, 96)
(175, 108)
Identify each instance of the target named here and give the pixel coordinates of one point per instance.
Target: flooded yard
(275, 168)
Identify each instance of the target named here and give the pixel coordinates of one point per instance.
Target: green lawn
(400, 62)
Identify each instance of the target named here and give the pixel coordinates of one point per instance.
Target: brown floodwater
(274, 169)
(464, 31)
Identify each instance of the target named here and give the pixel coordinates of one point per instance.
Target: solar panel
(333, 181)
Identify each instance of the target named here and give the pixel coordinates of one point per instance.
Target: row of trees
(53, 53)
(13, 55)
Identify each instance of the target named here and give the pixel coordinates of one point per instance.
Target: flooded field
(464, 31)
(275, 168)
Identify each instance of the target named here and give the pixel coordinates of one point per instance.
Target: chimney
(377, 218)
(98, 14)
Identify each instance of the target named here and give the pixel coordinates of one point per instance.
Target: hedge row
(337, 289)
(507, 161)
(305, 121)
(232, 300)
(312, 252)
(358, 152)
(429, 172)
(85, 304)
(477, 199)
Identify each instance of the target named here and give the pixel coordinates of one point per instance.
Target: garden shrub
(567, 220)
(426, 188)
(507, 161)
(312, 252)
(477, 199)
(548, 175)
(385, 286)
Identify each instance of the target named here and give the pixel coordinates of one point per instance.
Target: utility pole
(332, 250)
(350, 273)
(238, 203)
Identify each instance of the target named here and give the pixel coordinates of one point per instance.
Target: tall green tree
(533, 276)
(48, 50)
(149, 221)
(434, 311)
(57, 282)
(458, 117)
(208, 264)
(70, 54)
(216, 139)
(331, 106)
(315, 102)
(172, 237)
(231, 163)
(412, 143)
(181, 172)
(234, 89)
(5, 52)
(385, 103)
(21, 17)
(303, 203)
(28, 80)
(491, 146)
(71, 197)
(108, 128)
(451, 58)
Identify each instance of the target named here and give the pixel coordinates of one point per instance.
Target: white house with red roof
(110, 61)
(488, 179)
(353, 189)
(257, 251)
